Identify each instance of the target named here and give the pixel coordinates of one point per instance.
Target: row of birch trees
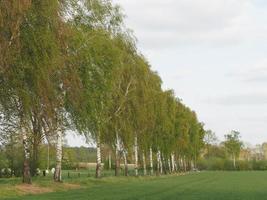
(73, 65)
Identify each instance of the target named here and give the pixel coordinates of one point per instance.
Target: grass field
(197, 186)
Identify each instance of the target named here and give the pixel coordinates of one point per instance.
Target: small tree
(233, 145)
(210, 139)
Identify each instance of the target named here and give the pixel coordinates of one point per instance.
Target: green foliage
(215, 164)
(233, 144)
(74, 65)
(216, 151)
(3, 160)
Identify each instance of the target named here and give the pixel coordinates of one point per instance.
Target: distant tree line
(11, 157)
(231, 154)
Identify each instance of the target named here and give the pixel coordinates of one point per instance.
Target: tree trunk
(109, 160)
(188, 164)
(117, 163)
(169, 165)
(173, 162)
(144, 163)
(160, 163)
(12, 160)
(184, 164)
(117, 156)
(98, 156)
(37, 138)
(57, 174)
(234, 162)
(35, 152)
(163, 163)
(125, 163)
(195, 161)
(26, 162)
(48, 156)
(151, 161)
(136, 156)
(175, 166)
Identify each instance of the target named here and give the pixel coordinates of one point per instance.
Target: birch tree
(233, 145)
(31, 78)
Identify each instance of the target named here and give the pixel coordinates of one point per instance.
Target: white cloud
(181, 22)
(252, 99)
(252, 72)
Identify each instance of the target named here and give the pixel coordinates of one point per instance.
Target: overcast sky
(213, 54)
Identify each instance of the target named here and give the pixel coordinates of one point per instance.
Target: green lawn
(198, 186)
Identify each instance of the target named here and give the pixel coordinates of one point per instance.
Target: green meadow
(196, 186)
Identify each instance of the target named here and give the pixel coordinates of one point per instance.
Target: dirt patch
(24, 189)
(32, 189)
(70, 186)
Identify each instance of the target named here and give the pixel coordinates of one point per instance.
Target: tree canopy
(74, 65)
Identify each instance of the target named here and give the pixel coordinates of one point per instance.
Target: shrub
(214, 164)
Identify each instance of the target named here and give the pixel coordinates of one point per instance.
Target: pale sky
(213, 53)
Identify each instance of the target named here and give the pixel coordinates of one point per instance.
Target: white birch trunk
(48, 156)
(175, 166)
(160, 163)
(57, 174)
(185, 164)
(169, 165)
(192, 165)
(177, 163)
(181, 164)
(144, 163)
(98, 156)
(151, 161)
(173, 162)
(109, 161)
(117, 156)
(136, 155)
